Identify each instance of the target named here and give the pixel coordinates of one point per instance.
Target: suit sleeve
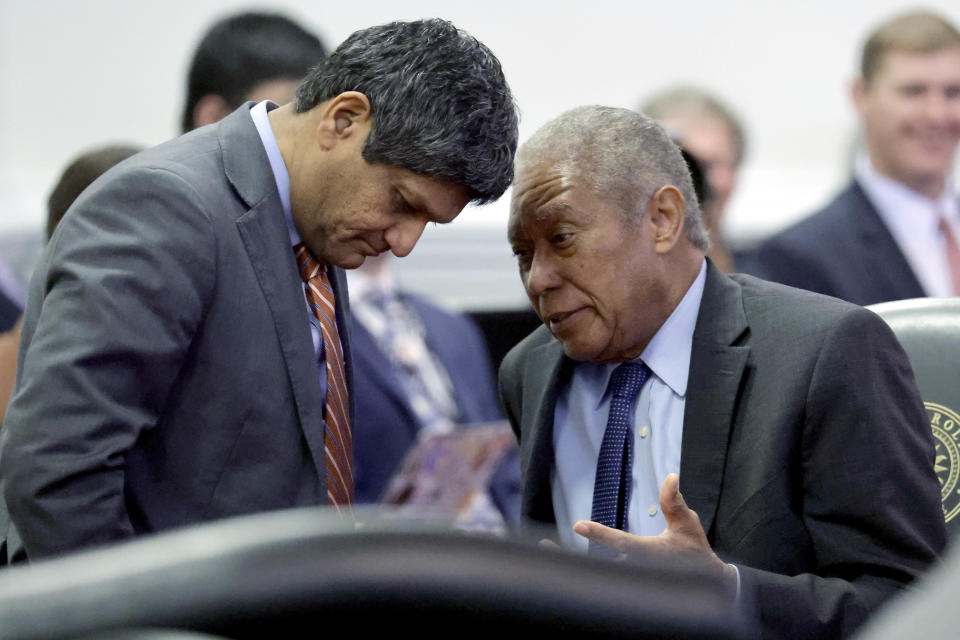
(870, 498)
(508, 380)
(114, 306)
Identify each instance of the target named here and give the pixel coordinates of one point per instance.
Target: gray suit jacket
(167, 373)
(806, 450)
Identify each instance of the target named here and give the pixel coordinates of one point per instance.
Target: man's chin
(578, 351)
(351, 262)
(347, 258)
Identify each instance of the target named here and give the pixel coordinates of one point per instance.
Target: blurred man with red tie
(893, 232)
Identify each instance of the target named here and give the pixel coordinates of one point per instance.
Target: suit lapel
(267, 241)
(713, 390)
(881, 253)
(544, 372)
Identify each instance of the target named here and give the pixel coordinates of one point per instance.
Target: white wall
(80, 73)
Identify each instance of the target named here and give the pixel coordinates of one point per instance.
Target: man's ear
(342, 117)
(858, 93)
(209, 109)
(666, 210)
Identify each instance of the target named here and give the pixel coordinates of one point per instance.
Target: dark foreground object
(293, 574)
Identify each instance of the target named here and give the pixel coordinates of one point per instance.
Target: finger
(672, 504)
(547, 543)
(607, 536)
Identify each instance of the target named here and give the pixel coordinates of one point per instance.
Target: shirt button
(644, 432)
(652, 510)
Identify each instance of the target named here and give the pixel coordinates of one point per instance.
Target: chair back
(298, 574)
(929, 330)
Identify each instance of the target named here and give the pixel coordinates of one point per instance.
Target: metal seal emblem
(945, 424)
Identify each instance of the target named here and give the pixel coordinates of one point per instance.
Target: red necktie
(953, 253)
(337, 439)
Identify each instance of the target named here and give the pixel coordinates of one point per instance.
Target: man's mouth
(556, 321)
(936, 138)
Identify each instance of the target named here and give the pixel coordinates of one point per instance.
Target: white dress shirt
(580, 419)
(913, 220)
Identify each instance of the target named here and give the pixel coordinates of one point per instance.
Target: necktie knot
(628, 378)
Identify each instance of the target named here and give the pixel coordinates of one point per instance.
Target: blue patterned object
(611, 489)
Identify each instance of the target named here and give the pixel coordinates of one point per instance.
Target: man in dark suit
(893, 232)
(423, 370)
(172, 370)
(801, 443)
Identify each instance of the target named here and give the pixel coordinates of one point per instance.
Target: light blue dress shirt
(580, 418)
(282, 178)
(913, 220)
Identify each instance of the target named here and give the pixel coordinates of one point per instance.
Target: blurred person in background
(421, 370)
(893, 232)
(709, 131)
(78, 175)
(248, 56)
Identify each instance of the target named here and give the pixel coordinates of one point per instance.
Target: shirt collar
(668, 352)
(907, 213)
(280, 175)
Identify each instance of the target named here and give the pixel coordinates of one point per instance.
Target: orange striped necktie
(337, 439)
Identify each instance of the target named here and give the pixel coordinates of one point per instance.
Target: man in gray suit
(804, 456)
(171, 371)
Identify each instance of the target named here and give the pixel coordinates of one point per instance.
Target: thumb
(672, 503)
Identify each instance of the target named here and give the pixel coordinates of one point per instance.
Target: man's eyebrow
(552, 209)
(512, 235)
(416, 201)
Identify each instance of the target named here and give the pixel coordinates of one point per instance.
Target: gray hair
(684, 101)
(619, 153)
(439, 101)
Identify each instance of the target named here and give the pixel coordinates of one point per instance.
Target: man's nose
(403, 236)
(541, 276)
(942, 108)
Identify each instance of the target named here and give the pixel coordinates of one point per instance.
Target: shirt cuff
(737, 597)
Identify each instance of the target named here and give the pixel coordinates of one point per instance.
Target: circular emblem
(945, 424)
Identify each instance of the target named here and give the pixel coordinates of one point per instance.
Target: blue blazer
(9, 313)
(844, 251)
(385, 426)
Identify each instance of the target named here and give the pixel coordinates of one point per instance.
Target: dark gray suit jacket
(806, 450)
(167, 373)
(845, 251)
